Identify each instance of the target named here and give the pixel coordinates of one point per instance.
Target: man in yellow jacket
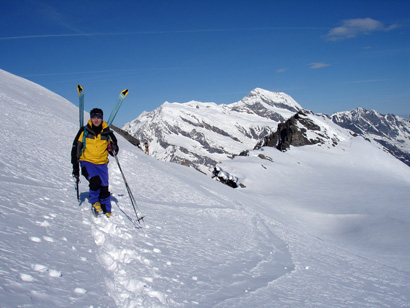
(91, 147)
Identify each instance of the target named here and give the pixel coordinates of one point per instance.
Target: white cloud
(355, 27)
(281, 70)
(317, 65)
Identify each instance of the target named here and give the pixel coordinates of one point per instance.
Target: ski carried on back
(81, 120)
(114, 112)
(117, 106)
(80, 105)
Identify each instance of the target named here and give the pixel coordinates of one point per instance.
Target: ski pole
(77, 181)
(133, 202)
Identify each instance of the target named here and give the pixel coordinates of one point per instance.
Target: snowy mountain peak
(262, 99)
(202, 134)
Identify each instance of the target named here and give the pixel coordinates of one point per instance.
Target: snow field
(174, 259)
(313, 228)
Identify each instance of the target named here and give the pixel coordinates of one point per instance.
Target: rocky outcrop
(225, 177)
(126, 135)
(293, 132)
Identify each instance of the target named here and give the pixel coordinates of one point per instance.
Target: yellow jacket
(96, 145)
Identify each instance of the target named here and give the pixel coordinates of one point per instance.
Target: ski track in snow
(153, 265)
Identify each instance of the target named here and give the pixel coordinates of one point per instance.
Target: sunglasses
(96, 115)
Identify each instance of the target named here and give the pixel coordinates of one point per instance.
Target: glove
(76, 171)
(113, 148)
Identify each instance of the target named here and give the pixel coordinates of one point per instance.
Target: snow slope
(313, 228)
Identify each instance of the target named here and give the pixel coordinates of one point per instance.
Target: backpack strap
(85, 133)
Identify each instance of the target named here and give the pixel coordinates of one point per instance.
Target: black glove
(76, 170)
(113, 148)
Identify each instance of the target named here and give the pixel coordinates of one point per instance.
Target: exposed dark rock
(126, 135)
(292, 132)
(244, 153)
(261, 156)
(225, 177)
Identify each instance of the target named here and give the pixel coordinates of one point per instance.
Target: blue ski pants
(97, 176)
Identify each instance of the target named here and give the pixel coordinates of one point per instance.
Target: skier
(146, 144)
(91, 147)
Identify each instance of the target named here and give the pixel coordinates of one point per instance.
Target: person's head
(96, 116)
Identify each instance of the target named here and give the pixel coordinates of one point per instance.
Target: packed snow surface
(314, 227)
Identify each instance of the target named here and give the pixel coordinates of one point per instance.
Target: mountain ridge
(202, 135)
(391, 131)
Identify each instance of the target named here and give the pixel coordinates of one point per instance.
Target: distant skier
(91, 147)
(146, 145)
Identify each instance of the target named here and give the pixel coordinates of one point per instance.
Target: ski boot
(97, 207)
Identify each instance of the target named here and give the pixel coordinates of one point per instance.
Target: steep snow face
(202, 134)
(392, 132)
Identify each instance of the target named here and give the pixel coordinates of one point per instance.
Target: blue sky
(328, 55)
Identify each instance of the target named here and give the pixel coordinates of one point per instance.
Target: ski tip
(124, 92)
(79, 89)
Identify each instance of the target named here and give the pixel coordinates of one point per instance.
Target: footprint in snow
(26, 277)
(44, 223)
(48, 239)
(39, 268)
(42, 269)
(98, 236)
(54, 273)
(80, 291)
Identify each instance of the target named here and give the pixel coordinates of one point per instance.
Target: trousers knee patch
(95, 183)
(104, 192)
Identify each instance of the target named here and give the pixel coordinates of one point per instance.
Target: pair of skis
(114, 112)
(117, 106)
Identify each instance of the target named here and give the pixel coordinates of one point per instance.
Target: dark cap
(96, 111)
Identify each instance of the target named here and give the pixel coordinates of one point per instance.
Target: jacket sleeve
(77, 145)
(114, 142)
